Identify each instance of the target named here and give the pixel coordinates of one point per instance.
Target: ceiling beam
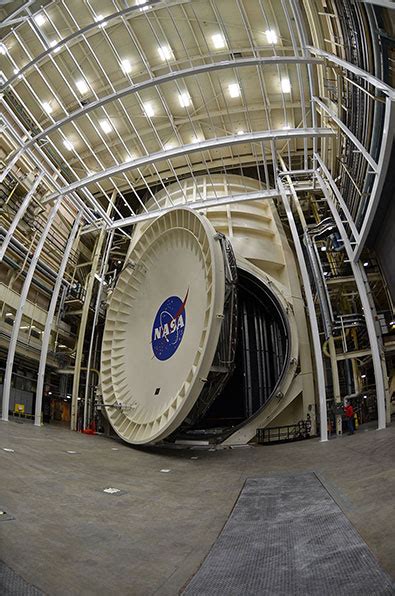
(266, 135)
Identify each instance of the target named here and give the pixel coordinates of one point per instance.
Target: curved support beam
(168, 78)
(390, 91)
(348, 133)
(92, 26)
(252, 137)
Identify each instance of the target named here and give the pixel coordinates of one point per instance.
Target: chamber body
(205, 333)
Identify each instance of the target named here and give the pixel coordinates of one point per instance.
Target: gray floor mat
(12, 584)
(286, 535)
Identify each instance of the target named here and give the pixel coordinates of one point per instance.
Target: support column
(336, 384)
(84, 318)
(21, 307)
(48, 323)
(103, 269)
(375, 340)
(311, 312)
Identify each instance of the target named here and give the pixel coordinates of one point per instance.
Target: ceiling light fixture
(148, 109)
(271, 36)
(68, 144)
(100, 18)
(126, 66)
(47, 107)
(365, 264)
(240, 132)
(323, 248)
(218, 41)
(82, 86)
(140, 3)
(39, 19)
(234, 89)
(105, 125)
(184, 99)
(165, 53)
(285, 86)
(16, 70)
(3, 49)
(53, 44)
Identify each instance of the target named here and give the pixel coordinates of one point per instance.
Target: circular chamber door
(162, 327)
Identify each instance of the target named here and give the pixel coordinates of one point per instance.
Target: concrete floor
(69, 537)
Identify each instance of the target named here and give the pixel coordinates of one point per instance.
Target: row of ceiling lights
(165, 52)
(183, 98)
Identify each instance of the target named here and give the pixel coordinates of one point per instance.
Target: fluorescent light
(271, 36)
(82, 86)
(105, 125)
(47, 107)
(148, 109)
(184, 99)
(126, 66)
(234, 89)
(53, 44)
(285, 85)
(39, 19)
(140, 3)
(218, 41)
(9, 314)
(99, 18)
(3, 49)
(68, 144)
(165, 53)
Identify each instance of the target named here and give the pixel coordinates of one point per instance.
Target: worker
(349, 413)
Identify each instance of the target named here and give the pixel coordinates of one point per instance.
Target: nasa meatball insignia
(169, 326)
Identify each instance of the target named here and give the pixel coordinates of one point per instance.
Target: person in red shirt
(349, 412)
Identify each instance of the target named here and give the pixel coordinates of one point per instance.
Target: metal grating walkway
(286, 535)
(12, 584)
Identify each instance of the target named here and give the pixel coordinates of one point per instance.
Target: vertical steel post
(19, 215)
(48, 323)
(21, 307)
(94, 323)
(378, 357)
(319, 365)
(84, 317)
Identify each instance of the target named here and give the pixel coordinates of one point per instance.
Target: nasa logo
(169, 326)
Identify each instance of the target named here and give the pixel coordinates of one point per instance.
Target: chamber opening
(259, 364)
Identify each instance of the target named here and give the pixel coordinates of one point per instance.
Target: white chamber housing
(205, 334)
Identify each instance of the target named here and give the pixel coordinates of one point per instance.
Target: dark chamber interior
(260, 359)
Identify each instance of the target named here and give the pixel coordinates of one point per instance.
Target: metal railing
(281, 434)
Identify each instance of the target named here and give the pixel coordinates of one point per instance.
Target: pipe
(21, 250)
